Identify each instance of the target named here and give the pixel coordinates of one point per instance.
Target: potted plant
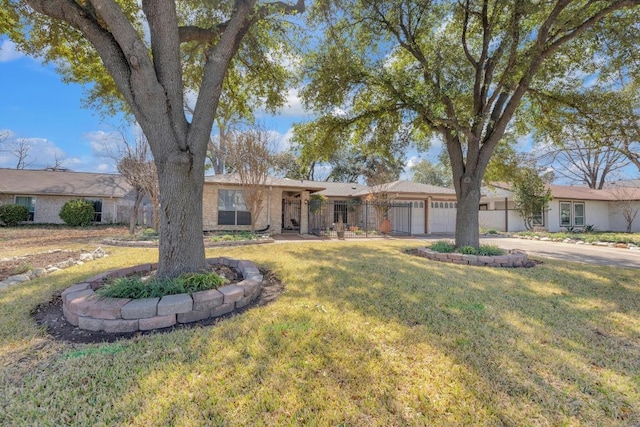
(340, 228)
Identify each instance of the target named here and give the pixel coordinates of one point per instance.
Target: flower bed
(515, 258)
(83, 308)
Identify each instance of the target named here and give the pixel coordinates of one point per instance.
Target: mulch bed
(50, 315)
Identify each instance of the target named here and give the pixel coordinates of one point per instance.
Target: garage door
(417, 218)
(443, 217)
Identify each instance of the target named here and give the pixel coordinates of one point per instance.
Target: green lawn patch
(364, 335)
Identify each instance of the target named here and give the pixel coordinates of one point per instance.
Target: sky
(39, 108)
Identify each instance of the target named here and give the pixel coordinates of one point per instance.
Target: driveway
(602, 255)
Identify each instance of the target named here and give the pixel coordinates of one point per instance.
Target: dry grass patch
(364, 335)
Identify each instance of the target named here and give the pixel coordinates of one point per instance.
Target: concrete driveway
(601, 255)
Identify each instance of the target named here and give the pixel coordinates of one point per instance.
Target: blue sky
(38, 107)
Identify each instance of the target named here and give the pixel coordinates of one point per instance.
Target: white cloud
(413, 160)
(293, 106)
(41, 152)
(8, 51)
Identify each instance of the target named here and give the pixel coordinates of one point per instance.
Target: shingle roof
(342, 189)
(234, 179)
(81, 184)
(409, 187)
(586, 193)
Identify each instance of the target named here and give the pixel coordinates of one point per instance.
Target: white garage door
(443, 217)
(417, 218)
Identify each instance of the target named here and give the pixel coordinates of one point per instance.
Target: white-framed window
(232, 208)
(572, 214)
(29, 202)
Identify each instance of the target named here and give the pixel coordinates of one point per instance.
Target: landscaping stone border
(515, 258)
(41, 272)
(86, 310)
(629, 246)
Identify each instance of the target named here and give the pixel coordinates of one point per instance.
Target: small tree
(77, 212)
(530, 194)
(135, 164)
(251, 157)
(626, 205)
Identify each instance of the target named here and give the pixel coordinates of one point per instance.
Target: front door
(291, 214)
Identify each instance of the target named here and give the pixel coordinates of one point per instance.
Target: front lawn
(364, 335)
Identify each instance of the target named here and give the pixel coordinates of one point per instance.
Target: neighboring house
(44, 193)
(570, 207)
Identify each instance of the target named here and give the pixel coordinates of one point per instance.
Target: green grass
(365, 335)
(135, 287)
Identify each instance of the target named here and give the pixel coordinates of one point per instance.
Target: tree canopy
(149, 57)
(405, 70)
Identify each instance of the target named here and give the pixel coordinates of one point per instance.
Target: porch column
(304, 212)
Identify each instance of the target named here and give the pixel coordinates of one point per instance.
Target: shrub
(187, 283)
(12, 215)
(449, 247)
(468, 250)
(443, 246)
(489, 250)
(492, 231)
(77, 212)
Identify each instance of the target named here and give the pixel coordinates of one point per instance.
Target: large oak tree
(457, 69)
(147, 51)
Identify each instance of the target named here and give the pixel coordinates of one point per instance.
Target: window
(340, 211)
(538, 218)
(232, 209)
(28, 202)
(572, 214)
(565, 214)
(422, 204)
(578, 214)
(97, 207)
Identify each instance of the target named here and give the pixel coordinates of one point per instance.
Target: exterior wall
(47, 208)
(596, 213)
(271, 212)
(495, 220)
(617, 221)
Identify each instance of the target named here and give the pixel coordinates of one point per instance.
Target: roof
(586, 193)
(62, 183)
(234, 179)
(408, 187)
(342, 189)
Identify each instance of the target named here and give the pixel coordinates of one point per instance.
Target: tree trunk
(133, 217)
(181, 248)
(467, 216)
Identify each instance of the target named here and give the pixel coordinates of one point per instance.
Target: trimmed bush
(77, 212)
(12, 215)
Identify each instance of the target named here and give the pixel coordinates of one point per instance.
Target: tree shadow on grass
(558, 340)
(368, 335)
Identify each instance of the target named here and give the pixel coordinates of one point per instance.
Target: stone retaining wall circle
(515, 258)
(84, 309)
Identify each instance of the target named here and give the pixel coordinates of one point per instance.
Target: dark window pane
(226, 218)
(244, 218)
